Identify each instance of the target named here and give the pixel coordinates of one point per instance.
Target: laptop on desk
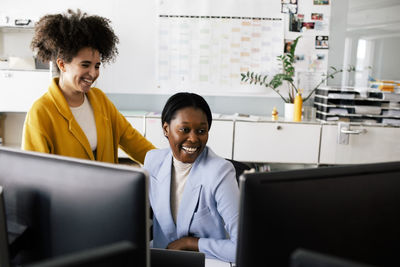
(177, 258)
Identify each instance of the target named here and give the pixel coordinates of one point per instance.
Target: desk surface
(216, 263)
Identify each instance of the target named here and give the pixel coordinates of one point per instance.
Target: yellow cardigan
(50, 127)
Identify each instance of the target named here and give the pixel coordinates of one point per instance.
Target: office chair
(306, 258)
(240, 167)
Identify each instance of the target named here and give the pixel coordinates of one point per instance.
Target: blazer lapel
(161, 202)
(189, 199)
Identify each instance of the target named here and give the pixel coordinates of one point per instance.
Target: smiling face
(187, 134)
(79, 74)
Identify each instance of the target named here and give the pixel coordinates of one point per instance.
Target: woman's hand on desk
(185, 243)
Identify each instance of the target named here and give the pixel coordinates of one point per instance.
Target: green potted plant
(288, 60)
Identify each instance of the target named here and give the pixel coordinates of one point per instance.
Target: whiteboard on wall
(204, 46)
(137, 24)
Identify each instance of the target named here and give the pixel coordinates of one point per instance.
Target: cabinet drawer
(376, 144)
(276, 142)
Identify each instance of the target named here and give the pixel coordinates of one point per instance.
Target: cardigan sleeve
(33, 138)
(131, 140)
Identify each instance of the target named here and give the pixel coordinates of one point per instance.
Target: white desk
(216, 263)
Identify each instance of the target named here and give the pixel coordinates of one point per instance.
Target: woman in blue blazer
(193, 192)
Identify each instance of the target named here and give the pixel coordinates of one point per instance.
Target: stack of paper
(392, 113)
(334, 118)
(339, 111)
(373, 110)
(394, 105)
(341, 96)
(391, 122)
(391, 96)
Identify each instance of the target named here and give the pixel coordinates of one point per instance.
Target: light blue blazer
(209, 207)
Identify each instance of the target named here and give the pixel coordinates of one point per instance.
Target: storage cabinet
(276, 142)
(21, 83)
(19, 89)
(366, 144)
(273, 142)
(288, 142)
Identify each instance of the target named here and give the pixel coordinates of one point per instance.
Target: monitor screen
(350, 212)
(121, 254)
(4, 251)
(68, 205)
(306, 258)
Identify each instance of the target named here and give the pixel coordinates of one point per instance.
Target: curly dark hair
(63, 35)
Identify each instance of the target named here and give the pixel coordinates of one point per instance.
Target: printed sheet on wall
(203, 46)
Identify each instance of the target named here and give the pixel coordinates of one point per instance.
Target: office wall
(261, 106)
(337, 36)
(135, 67)
(134, 23)
(257, 105)
(375, 22)
(130, 80)
(387, 57)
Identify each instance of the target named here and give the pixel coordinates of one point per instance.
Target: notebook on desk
(177, 258)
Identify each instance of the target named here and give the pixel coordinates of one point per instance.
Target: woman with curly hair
(73, 118)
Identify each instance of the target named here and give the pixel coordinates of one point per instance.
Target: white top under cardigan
(85, 118)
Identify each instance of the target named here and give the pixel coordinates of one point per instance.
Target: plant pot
(289, 111)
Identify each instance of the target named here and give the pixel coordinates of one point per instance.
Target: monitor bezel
(5, 151)
(250, 180)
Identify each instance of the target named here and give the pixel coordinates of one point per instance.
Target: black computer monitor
(306, 258)
(351, 212)
(4, 251)
(68, 205)
(121, 254)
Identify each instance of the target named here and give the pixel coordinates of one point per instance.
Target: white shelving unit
(19, 86)
(364, 105)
